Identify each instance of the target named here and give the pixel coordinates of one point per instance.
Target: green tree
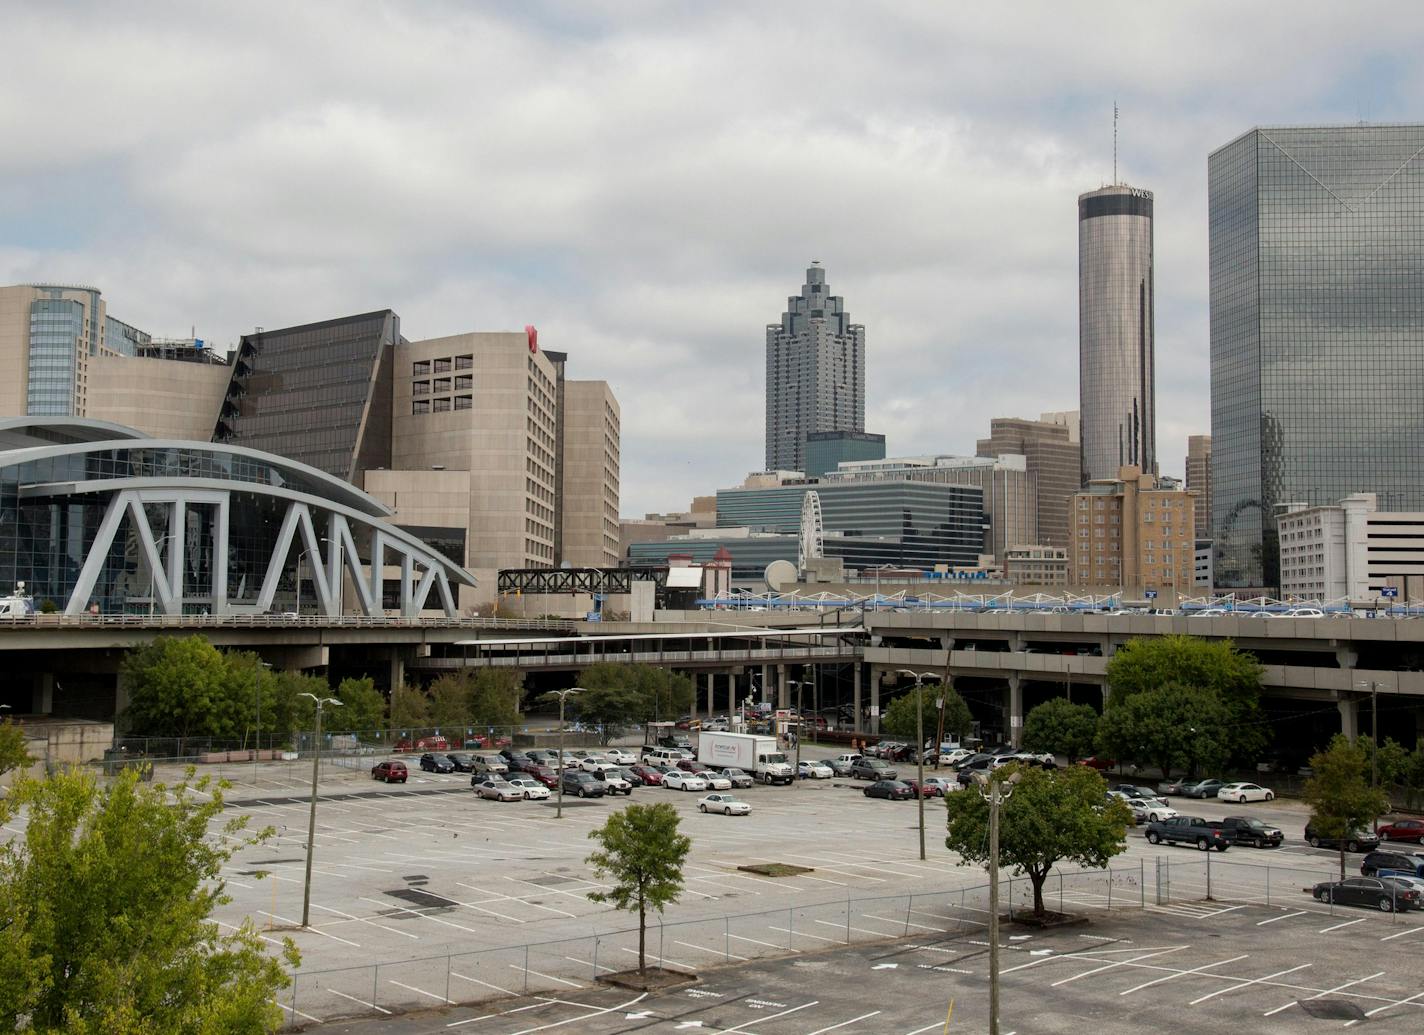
(1051, 816)
(642, 853)
(12, 748)
(495, 696)
(410, 709)
(1391, 761)
(608, 708)
(662, 694)
(293, 713)
(1142, 665)
(179, 688)
(899, 717)
(248, 682)
(1060, 727)
(1170, 727)
(449, 698)
(1339, 794)
(107, 902)
(363, 707)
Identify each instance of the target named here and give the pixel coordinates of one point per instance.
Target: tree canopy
(1052, 816)
(899, 717)
(12, 748)
(108, 896)
(1170, 727)
(181, 687)
(1339, 794)
(641, 851)
(608, 707)
(1059, 727)
(660, 693)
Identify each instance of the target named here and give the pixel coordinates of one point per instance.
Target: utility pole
(311, 822)
(995, 793)
(257, 692)
(920, 748)
(562, 696)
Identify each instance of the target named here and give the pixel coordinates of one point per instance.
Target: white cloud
(647, 181)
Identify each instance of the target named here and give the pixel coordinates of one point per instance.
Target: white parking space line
(900, 923)
(562, 981)
(1401, 934)
(1328, 991)
(1114, 964)
(313, 930)
(1347, 923)
(586, 963)
(364, 920)
(862, 930)
(853, 1020)
(762, 1021)
(1183, 973)
(803, 934)
(1244, 983)
(477, 981)
(1390, 1006)
(421, 991)
(363, 1002)
(755, 941)
(425, 915)
(298, 1013)
(1285, 916)
(583, 1017)
(712, 952)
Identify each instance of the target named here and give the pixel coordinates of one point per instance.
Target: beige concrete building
(63, 355)
(588, 499)
(1036, 565)
(1199, 480)
(1129, 532)
(1054, 464)
(658, 528)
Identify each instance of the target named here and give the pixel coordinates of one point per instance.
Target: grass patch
(776, 869)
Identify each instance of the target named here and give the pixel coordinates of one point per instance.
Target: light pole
(311, 822)
(301, 557)
(920, 748)
(257, 693)
(1374, 736)
(563, 696)
(995, 792)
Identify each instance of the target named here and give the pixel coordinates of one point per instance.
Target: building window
(464, 382)
(464, 362)
(442, 366)
(442, 384)
(420, 406)
(420, 388)
(420, 368)
(441, 405)
(463, 402)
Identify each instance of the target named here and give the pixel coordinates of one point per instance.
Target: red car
(1403, 830)
(932, 789)
(649, 775)
(689, 765)
(543, 774)
(390, 772)
(1100, 764)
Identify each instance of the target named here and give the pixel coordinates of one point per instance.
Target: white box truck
(759, 756)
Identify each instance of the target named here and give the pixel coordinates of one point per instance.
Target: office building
(655, 528)
(1199, 479)
(815, 372)
(1053, 464)
(1115, 332)
(825, 450)
(589, 436)
(62, 354)
(1129, 532)
(913, 524)
(1036, 565)
(1351, 551)
(1010, 502)
(1317, 330)
(1202, 578)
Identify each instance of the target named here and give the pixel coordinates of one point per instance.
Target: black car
(582, 784)
(436, 763)
(1247, 830)
(1410, 864)
(462, 761)
(1359, 841)
(1383, 893)
(632, 777)
(892, 789)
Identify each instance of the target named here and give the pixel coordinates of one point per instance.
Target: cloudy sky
(646, 182)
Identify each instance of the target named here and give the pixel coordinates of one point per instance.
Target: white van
(664, 756)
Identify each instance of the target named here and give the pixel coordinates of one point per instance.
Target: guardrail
(683, 656)
(275, 621)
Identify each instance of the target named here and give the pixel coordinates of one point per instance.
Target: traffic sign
(1151, 594)
(1389, 591)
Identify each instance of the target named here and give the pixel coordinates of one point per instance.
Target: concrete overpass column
(783, 697)
(1346, 657)
(397, 670)
(1015, 710)
(711, 694)
(766, 684)
(874, 699)
(731, 695)
(42, 698)
(1349, 716)
(858, 722)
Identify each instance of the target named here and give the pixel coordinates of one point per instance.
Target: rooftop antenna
(1114, 142)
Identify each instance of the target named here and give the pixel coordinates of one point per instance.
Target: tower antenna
(1114, 142)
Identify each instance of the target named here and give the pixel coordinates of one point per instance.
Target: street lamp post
(995, 792)
(311, 822)
(562, 696)
(920, 749)
(257, 693)
(1374, 736)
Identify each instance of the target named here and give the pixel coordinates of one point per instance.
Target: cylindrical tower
(1115, 337)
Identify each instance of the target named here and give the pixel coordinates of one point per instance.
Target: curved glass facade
(1116, 366)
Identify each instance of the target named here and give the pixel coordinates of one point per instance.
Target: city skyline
(647, 229)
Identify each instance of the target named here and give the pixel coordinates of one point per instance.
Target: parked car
(651, 774)
(1131, 790)
(1150, 810)
(619, 756)
(1100, 764)
(1189, 830)
(499, 790)
(389, 772)
(633, 778)
(814, 770)
(691, 765)
(840, 765)
(532, 788)
(462, 761)
(727, 804)
(954, 757)
(490, 765)
(1358, 841)
(1175, 788)
(1247, 830)
(680, 780)
(1244, 792)
(581, 784)
(934, 787)
(1203, 788)
(546, 775)
(872, 769)
(895, 790)
(1403, 830)
(1410, 865)
(611, 777)
(1383, 893)
(431, 763)
(739, 777)
(945, 785)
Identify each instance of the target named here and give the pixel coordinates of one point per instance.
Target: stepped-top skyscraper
(1115, 336)
(1317, 330)
(815, 372)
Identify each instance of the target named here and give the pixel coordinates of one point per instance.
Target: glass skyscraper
(1317, 330)
(1115, 332)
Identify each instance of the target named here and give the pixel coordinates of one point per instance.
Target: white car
(593, 763)
(619, 756)
(814, 771)
(716, 781)
(954, 757)
(612, 780)
(532, 788)
(680, 780)
(727, 804)
(945, 784)
(499, 790)
(1244, 792)
(1150, 810)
